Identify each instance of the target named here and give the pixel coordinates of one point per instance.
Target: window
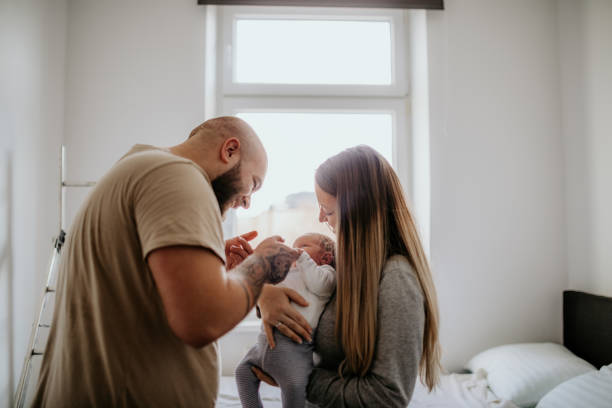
(311, 82)
(312, 52)
(297, 142)
(291, 51)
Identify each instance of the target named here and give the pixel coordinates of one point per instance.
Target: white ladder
(36, 344)
(42, 322)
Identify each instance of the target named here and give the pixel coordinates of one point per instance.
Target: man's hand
(202, 302)
(238, 248)
(269, 263)
(278, 256)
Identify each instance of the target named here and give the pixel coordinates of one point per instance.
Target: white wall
(585, 32)
(497, 210)
(135, 74)
(497, 195)
(32, 51)
(498, 221)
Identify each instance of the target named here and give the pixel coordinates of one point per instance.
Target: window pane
(313, 52)
(297, 143)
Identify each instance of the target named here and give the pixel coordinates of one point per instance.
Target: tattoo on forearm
(247, 295)
(252, 274)
(257, 270)
(279, 265)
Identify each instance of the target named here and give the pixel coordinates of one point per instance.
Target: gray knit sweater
(399, 344)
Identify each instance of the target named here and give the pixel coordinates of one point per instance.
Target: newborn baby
(289, 363)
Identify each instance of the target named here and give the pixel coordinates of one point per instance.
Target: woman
(380, 330)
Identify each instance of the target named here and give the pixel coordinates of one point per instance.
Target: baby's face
(310, 244)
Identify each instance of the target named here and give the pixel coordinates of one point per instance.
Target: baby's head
(320, 248)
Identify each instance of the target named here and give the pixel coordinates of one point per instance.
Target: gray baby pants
(289, 363)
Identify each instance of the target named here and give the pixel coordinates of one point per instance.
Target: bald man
(147, 284)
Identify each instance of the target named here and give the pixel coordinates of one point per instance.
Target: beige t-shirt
(110, 342)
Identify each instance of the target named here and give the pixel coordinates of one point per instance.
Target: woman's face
(328, 206)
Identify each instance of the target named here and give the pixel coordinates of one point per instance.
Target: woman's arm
(394, 371)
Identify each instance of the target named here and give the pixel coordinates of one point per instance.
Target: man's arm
(202, 301)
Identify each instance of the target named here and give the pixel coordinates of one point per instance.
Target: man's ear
(327, 258)
(230, 150)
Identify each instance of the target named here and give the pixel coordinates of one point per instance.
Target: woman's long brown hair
(374, 223)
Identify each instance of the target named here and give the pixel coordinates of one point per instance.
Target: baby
(289, 363)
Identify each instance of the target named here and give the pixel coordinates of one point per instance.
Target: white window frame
(233, 97)
(227, 97)
(397, 108)
(399, 71)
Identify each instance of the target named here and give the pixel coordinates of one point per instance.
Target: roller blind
(403, 4)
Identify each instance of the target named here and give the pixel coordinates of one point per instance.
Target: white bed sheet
(455, 391)
(459, 391)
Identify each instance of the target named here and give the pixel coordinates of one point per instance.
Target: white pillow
(524, 373)
(593, 390)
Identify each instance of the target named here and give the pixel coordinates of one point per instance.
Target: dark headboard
(587, 326)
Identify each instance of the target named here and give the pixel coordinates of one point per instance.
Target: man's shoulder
(150, 155)
(142, 159)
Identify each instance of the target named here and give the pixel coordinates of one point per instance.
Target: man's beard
(227, 186)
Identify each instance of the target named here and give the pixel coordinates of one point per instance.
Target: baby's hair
(328, 245)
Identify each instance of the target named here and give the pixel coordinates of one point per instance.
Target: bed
(587, 343)
(455, 391)
(587, 326)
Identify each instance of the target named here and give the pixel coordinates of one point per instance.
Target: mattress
(455, 391)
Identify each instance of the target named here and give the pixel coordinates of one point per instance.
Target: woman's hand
(263, 376)
(276, 311)
(238, 248)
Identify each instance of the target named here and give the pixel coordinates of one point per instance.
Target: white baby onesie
(316, 283)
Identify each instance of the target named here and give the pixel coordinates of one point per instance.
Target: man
(143, 291)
